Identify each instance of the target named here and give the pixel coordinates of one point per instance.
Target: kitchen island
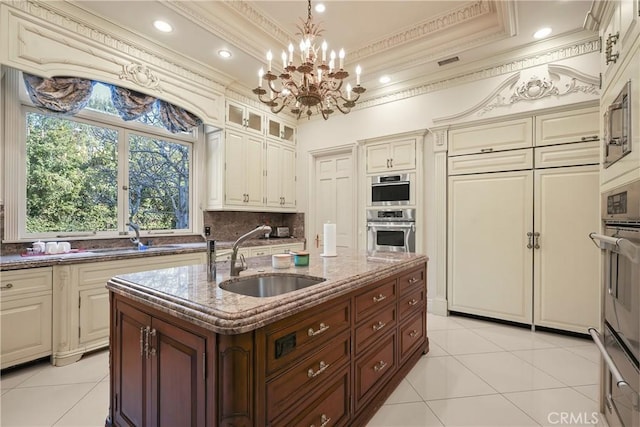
(185, 351)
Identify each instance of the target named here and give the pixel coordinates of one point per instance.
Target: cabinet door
(178, 395)
(94, 314)
(505, 135)
(288, 177)
(566, 273)
(235, 171)
(568, 126)
(377, 158)
(490, 266)
(273, 180)
(26, 329)
(402, 155)
(254, 171)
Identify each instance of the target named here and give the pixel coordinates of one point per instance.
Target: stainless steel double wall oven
(619, 342)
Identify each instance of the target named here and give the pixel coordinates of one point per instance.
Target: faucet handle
(243, 263)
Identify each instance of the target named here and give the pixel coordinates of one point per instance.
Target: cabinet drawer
(568, 126)
(505, 135)
(260, 251)
(18, 282)
(375, 327)
(491, 162)
(319, 369)
(373, 369)
(329, 408)
(289, 341)
(584, 153)
(370, 301)
(410, 281)
(412, 334)
(411, 302)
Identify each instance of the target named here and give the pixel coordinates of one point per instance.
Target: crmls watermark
(568, 418)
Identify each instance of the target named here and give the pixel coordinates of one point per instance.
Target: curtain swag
(69, 95)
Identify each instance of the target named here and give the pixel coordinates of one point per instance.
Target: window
(93, 173)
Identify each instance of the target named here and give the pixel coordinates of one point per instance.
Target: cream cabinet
(280, 181)
(25, 315)
(81, 301)
(580, 125)
(490, 137)
(244, 118)
(618, 30)
(391, 156)
(280, 130)
(244, 167)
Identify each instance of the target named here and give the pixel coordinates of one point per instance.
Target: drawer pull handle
(379, 325)
(413, 333)
(8, 286)
(313, 333)
(323, 367)
(413, 302)
(486, 150)
(413, 280)
(324, 420)
(380, 366)
(379, 298)
(142, 330)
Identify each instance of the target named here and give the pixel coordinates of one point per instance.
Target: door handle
(529, 240)
(536, 237)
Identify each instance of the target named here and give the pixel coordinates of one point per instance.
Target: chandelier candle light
(309, 88)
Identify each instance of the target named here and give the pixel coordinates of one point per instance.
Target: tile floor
(477, 374)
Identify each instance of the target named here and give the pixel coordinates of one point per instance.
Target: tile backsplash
(229, 225)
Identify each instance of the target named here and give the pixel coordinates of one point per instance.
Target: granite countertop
(15, 262)
(184, 292)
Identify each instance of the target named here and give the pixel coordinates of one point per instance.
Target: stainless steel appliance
(280, 232)
(617, 127)
(392, 190)
(620, 341)
(391, 230)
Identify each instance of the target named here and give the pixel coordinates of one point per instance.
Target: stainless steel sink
(132, 249)
(269, 285)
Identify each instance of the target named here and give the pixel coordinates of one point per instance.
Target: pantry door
(333, 198)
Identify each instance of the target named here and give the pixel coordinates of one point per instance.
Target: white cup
(38, 247)
(64, 247)
(51, 248)
(281, 260)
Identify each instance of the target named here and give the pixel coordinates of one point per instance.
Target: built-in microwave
(617, 127)
(392, 190)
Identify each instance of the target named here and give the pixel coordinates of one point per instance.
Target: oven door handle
(387, 225)
(622, 246)
(603, 240)
(617, 377)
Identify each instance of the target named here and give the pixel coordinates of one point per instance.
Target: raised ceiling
(402, 39)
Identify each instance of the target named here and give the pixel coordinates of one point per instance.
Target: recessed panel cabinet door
(566, 272)
(490, 267)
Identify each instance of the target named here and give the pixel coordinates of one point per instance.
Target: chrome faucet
(233, 270)
(135, 240)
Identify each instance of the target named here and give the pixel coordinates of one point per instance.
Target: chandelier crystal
(309, 87)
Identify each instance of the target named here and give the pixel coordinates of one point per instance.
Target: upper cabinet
(619, 29)
(391, 156)
(280, 180)
(277, 129)
(505, 135)
(245, 118)
(244, 160)
(568, 126)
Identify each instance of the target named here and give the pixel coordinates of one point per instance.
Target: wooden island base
(334, 364)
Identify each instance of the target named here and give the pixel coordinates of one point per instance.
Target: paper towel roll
(329, 240)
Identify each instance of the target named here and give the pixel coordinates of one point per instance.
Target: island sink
(269, 285)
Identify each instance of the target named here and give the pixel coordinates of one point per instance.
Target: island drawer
(371, 300)
(375, 327)
(289, 341)
(411, 302)
(412, 334)
(313, 372)
(327, 407)
(412, 280)
(374, 369)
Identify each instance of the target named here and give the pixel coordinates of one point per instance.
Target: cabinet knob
(413, 333)
(8, 286)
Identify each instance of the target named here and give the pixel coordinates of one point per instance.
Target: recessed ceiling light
(384, 79)
(541, 33)
(320, 7)
(163, 26)
(223, 53)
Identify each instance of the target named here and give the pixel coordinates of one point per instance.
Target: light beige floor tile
(445, 377)
(571, 369)
(480, 411)
(589, 352)
(435, 350)
(563, 340)
(471, 323)
(550, 407)
(591, 391)
(437, 323)
(90, 369)
(506, 372)
(17, 376)
(415, 414)
(90, 411)
(462, 341)
(404, 393)
(40, 406)
(514, 338)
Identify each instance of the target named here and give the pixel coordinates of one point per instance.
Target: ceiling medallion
(309, 88)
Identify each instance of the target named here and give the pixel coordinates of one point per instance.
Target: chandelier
(314, 86)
